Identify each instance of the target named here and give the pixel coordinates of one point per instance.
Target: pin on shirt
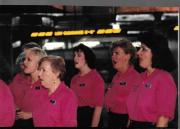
(53, 101)
(37, 87)
(122, 83)
(148, 85)
(82, 84)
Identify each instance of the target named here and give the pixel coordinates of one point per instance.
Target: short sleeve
(166, 95)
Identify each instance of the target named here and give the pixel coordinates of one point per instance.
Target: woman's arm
(96, 116)
(162, 121)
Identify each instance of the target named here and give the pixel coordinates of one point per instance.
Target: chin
(143, 66)
(76, 66)
(115, 67)
(26, 71)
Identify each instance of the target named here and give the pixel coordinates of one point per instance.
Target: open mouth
(75, 62)
(114, 62)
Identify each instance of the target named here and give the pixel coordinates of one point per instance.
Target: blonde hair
(38, 52)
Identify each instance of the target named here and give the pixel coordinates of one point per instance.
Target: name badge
(82, 84)
(53, 101)
(148, 85)
(123, 83)
(37, 87)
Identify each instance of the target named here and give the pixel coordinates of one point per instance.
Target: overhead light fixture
(45, 14)
(53, 45)
(115, 25)
(133, 32)
(166, 16)
(90, 44)
(46, 21)
(135, 17)
(16, 44)
(136, 43)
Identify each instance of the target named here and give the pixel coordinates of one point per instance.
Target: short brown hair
(57, 64)
(127, 46)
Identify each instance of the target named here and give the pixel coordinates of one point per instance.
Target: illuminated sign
(176, 28)
(75, 32)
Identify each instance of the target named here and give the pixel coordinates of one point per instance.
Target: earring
(54, 82)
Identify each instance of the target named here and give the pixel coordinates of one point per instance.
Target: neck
(54, 86)
(150, 70)
(34, 76)
(124, 68)
(84, 70)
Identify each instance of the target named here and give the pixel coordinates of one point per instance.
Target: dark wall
(5, 53)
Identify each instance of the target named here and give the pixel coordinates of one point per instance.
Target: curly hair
(89, 54)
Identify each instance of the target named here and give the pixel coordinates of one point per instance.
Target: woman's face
(79, 59)
(119, 58)
(145, 56)
(47, 75)
(31, 63)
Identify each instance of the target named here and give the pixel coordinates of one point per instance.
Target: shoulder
(163, 74)
(95, 74)
(3, 85)
(68, 92)
(4, 89)
(75, 77)
(135, 72)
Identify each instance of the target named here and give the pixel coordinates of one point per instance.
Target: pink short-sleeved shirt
(120, 87)
(156, 96)
(18, 87)
(89, 89)
(32, 97)
(7, 107)
(58, 109)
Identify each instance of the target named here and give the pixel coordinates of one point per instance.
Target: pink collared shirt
(18, 87)
(57, 110)
(7, 107)
(156, 96)
(33, 96)
(120, 87)
(89, 89)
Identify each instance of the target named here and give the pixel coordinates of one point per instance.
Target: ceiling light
(53, 45)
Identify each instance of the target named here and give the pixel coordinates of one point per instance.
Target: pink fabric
(18, 87)
(89, 89)
(121, 86)
(7, 107)
(155, 96)
(57, 110)
(32, 97)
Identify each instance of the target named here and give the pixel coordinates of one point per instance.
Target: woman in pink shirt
(30, 93)
(7, 108)
(123, 82)
(19, 82)
(88, 86)
(59, 104)
(152, 104)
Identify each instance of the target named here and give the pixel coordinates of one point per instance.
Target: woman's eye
(144, 48)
